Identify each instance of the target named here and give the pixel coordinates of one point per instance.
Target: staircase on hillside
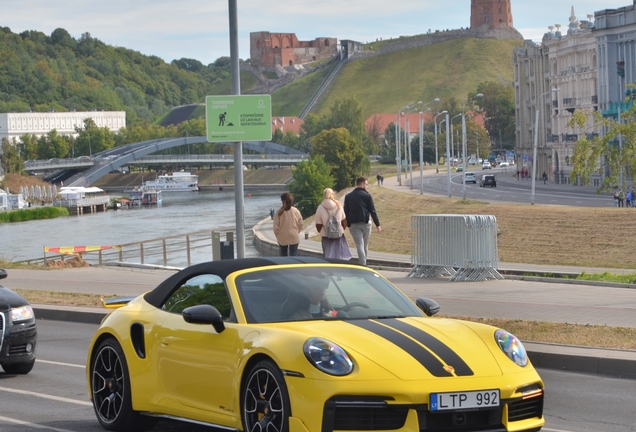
(316, 96)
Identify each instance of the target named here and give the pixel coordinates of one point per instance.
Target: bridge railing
(177, 251)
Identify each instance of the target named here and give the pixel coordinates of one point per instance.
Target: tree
(343, 153)
(92, 139)
(309, 179)
(347, 113)
(11, 161)
(498, 102)
(592, 152)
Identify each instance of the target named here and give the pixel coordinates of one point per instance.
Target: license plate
(464, 400)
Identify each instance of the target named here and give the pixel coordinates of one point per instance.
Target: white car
(469, 177)
(486, 165)
(504, 164)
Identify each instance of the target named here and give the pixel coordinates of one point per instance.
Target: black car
(18, 333)
(488, 180)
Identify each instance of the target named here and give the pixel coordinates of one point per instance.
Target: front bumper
(17, 341)
(405, 407)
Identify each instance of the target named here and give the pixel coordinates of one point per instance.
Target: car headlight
(21, 313)
(328, 357)
(512, 347)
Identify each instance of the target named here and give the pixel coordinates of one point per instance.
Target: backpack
(334, 227)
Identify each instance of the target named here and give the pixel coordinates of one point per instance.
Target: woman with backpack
(331, 223)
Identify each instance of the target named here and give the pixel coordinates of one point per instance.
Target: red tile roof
(285, 124)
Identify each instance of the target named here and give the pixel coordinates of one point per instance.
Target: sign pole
(238, 145)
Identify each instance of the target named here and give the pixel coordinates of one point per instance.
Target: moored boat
(176, 182)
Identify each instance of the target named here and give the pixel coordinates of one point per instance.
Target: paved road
(508, 189)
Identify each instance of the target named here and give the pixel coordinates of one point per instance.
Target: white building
(14, 125)
(573, 70)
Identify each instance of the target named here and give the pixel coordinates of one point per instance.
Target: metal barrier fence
(175, 251)
(461, 246)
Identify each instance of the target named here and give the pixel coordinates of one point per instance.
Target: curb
(610, 362)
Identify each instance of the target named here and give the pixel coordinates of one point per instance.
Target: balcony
(595, 99)
(553, 138)
(569, 102)
(555, 103)
(569, 137)
(591, 136)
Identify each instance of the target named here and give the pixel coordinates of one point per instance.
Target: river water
(180, 213)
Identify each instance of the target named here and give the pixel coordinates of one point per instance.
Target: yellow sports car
(303, 344)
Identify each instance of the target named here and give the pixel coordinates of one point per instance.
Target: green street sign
(238, 118)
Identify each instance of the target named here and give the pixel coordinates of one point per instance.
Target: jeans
(361, 232)
(292, 249)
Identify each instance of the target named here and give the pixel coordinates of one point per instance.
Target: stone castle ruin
(285, 55)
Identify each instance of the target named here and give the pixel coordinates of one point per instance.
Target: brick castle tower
(497, 14)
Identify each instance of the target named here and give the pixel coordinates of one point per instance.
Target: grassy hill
(386, 82)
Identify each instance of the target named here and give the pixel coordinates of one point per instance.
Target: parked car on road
(469, 177)
(460, 168)
(486, 165)
(488, 180)
(18, 333)
(504, 164)
(272, 344)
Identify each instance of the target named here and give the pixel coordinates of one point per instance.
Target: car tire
(110, 387)
(18, 368)
(264, 399)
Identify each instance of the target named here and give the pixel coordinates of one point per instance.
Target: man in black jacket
(358, 206)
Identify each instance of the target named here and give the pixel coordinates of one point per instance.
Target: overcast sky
(199, 29)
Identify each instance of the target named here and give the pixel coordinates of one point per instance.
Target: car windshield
(319, 292)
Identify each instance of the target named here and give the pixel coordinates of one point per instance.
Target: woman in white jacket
(332, 247)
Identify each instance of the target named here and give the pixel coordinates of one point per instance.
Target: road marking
(45, 396)
(33, 425)
(60, 363)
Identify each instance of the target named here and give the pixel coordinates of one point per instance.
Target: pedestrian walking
(331, 224)
(615, 198)
(628, 199)
(545, 177)
(288, 223)
(358, 208)
(621, 198)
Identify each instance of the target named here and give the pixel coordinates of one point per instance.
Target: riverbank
(33, 213)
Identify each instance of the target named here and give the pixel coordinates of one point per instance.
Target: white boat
(176, 182)
(145, 195)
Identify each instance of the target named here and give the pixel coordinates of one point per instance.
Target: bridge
(87, 169)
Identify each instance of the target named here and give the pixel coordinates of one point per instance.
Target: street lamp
(464, 146)
(448, 179)
(536, 137)
(453, 135)
(436, 156)
(398, 156)
(421, 147)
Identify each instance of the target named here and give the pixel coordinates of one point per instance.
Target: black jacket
(358, 206)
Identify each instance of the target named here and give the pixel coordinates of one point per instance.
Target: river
(180, 213)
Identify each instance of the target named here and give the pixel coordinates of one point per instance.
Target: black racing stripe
(442, 350)
(417, 351)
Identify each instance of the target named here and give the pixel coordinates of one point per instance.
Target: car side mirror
(428, 306)
(3, 273)
(204, 314)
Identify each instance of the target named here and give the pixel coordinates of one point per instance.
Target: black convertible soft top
(223, 268)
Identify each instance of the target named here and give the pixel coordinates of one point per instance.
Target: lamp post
(536, 138)
(448, 179)
(464, 146)
(436, 156)
(398, 148)
(421, 147)
(453, 135)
